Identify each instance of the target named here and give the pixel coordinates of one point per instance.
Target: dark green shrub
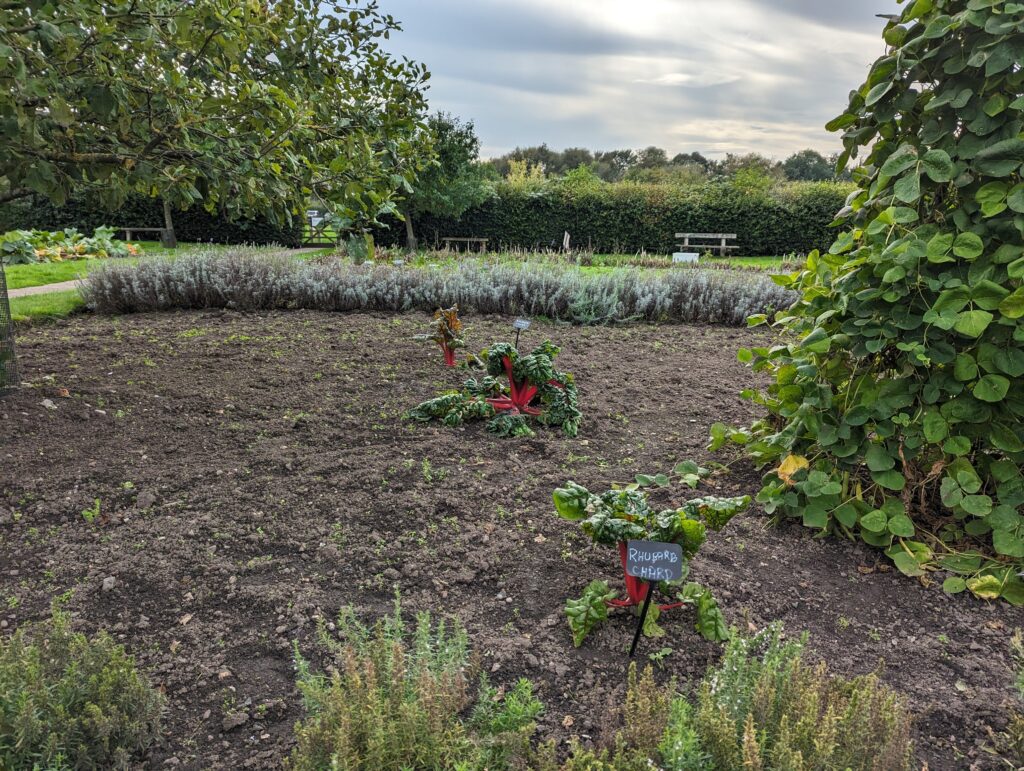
(195, 224)
(896, 411)
(394, 698)
(67, 701)
(629, 217)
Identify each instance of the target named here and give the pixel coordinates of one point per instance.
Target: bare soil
(254, 475)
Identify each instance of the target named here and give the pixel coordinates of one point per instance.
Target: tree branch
(13, 195)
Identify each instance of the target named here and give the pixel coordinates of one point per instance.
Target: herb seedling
(91, 514)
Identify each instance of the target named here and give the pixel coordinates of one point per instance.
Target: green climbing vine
(896, 402)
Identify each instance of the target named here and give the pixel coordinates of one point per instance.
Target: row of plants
(403, 698)
(250, 279)
(400, 697)
(632, 217)
(24, 247)
(395, 696)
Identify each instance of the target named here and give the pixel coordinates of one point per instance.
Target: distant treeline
(653, 164)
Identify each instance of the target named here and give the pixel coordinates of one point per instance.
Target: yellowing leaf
(789, 466)
(985, 587)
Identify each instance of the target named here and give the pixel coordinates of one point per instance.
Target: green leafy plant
(504, 723)
(22, 247)
(617, 516)
(534, 388)
(589, 610)
(92, 513)
(447, 333)
(68, 701)
(895, 411)
(687, 473)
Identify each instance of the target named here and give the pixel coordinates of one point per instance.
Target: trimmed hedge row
(607, 218)
(195, 224)
(628, 218)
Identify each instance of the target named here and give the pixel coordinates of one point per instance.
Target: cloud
(704, 79)
(710, 75)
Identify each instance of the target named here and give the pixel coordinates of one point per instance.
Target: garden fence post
(8, 360)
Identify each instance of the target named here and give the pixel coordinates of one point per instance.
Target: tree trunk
(410, 237)
(167, 239)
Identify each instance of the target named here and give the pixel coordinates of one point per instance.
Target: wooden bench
(165, 240)
(479, 243)
(722, 245)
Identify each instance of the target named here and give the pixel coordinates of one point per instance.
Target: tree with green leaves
(454, 181)
(245, 106)
(808, 166)
(896, 415)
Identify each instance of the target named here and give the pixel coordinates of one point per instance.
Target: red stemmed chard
(447, 333)
(535, 389)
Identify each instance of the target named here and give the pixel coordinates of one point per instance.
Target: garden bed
(254, 473)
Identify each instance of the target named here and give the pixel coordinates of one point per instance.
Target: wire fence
(8, 360)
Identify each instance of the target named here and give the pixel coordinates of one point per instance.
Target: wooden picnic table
(164, 239)
(480, 243)
(722, 239)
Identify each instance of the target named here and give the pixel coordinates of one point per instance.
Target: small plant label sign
(521, 325)
(654, 560)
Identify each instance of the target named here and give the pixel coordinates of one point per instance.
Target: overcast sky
(714, 76)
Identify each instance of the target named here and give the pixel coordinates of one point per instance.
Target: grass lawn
(43, 307)
(762, 262)
(42, 273)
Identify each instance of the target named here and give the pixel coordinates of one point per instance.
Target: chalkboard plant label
(654, 560)
(655, 549)
(521, 325)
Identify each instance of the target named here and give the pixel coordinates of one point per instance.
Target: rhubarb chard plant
(512, 389)
(447, 332)
(620, 515)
